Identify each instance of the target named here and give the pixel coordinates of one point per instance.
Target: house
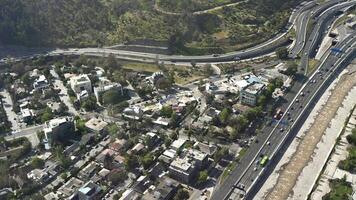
(88, 170)
(70, 187)
(130, 194)
(137, 148)
(249, 95)
(81, 85)
(27, 114)
(177, 145)
(89, 191)
(96, 125)
(106, 85)
(59, 129)
(117, 145)
(38, 175)
(40, 83)
(165, 190)
(135, 113)
(208, 149)
(142, 183)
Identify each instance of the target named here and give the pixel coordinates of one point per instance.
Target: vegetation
(119, 21)
(350, 163)
(182, 194)
(37, 163)
(340, 189)
(282, 53)
(203, 176)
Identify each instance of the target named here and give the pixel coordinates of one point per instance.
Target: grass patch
(312, 65)
(141, 67)
(228, 169)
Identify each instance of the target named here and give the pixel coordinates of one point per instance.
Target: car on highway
(264, 161)
(216, 55)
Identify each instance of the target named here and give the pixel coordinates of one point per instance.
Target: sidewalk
(331, 171)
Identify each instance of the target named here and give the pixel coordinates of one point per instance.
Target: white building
(249, 95)
(106, 85)
(40, 83)
(133, 113)
(58, 128)
(81, 85)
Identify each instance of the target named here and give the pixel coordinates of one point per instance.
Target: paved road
(247, 171)
(244, 171)
(265, 48)
(321, 26)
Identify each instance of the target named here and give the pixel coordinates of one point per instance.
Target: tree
(112, 96)
(220, 154)
(203, 176)
(166, 111)
(117, 177)
(108, 161)
(131, 162)
(147, 160)
(181, 194)
(47, 115)
(209, 99)
(292, 68)
(37, 163)
(224, 115)
(89, 104)
(111, 63)
(163, 83)
(282, 53)
(174, 119)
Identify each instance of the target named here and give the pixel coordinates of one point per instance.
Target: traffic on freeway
(249, 168)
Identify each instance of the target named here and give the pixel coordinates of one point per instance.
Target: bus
(264, 161)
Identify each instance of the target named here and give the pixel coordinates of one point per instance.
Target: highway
(246, 172)
(271, 138)
(321, 25)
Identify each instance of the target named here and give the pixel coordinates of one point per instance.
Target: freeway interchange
(274, 138)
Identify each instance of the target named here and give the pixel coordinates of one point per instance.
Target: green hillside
(81, 23)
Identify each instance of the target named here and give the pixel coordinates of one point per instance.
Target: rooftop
(96, 124)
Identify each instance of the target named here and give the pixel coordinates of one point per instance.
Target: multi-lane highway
(327, 15)
(270, 140)
(298, 101)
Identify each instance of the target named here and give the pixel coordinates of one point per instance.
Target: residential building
(37, 175)
(178, 144)
(165, 190)
(81, 85)
(96, 125)
(59, 129)
(249, 95)
(135, 113)
(89, 191)
(106, 85)
(40, 83)
(183, 170)
(199, 158)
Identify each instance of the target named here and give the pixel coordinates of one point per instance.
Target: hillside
(80, 23)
